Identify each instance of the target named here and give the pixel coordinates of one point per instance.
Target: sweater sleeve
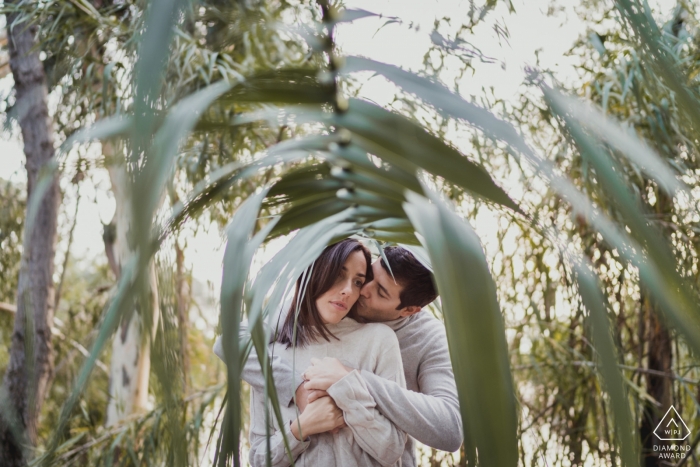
(285, 378)
(279, 456)
(432, 415)
(375, 433)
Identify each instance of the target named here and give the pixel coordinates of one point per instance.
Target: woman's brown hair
(319, 278)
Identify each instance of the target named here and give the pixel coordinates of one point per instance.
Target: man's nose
(364, 291)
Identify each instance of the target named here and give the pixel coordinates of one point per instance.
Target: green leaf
(400, 142)
(349, 15)
(150, 181)
(153, 52)
(445, 101)
(109, 127)
(406, 139)
(391, 225)
(594, 300)
(663, 63)
(303, 214)
(356, 196)
(286, 86)
(475, 332)
(392, 176)
(629, 144)
(238, 256)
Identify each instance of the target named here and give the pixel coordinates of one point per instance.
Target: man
(428, 410)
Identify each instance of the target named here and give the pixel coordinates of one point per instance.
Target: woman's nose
(347, 288)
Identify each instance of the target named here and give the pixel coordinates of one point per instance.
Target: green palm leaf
(237, 259)
(594, 300)
(475, 331)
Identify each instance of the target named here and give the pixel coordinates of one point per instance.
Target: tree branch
(7, 307)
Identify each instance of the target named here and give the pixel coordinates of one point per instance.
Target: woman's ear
(409, 310)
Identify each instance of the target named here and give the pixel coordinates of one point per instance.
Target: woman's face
(337, 301)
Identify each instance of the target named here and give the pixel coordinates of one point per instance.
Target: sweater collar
(400, 323)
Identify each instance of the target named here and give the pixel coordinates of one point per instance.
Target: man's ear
(409, 310)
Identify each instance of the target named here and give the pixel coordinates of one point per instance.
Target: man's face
(380, 298)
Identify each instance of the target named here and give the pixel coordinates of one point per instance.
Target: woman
(317, 326)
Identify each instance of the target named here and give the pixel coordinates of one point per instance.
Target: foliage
(595, 260)
(554, 356)
(12, 207)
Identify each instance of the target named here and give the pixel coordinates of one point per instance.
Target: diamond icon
(672, 427)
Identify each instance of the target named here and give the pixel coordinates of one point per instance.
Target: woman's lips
(340, 306)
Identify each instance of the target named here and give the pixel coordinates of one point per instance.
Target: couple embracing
(365, 368)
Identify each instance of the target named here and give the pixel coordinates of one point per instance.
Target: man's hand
(320, 416)
(324, 373)
(316, 394)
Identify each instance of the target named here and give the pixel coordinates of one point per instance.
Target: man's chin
(367, 315)
(364, 312)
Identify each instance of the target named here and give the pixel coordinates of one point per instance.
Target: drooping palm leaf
(475, 331)
(589, 288)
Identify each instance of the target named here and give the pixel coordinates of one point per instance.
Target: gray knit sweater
(369, 439)
(427, 409)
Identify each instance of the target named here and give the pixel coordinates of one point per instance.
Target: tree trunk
(659, 358)
(131, 349)
(29, 370)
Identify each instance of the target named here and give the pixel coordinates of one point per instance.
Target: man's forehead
(389, 281)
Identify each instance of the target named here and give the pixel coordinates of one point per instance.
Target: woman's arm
(375, 434)
(319, 416)
(258, 446)
(286, 379)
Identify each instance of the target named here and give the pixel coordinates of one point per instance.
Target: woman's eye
(359, 283)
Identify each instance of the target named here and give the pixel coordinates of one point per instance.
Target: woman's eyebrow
(358, 274)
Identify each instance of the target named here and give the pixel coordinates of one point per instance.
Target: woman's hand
(324, 373)
(319, 416)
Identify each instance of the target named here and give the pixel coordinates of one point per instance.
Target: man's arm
(285, 378)
(374, 432)
(431, 416)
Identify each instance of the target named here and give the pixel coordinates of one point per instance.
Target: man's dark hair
(319, 278)
(418, 287)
